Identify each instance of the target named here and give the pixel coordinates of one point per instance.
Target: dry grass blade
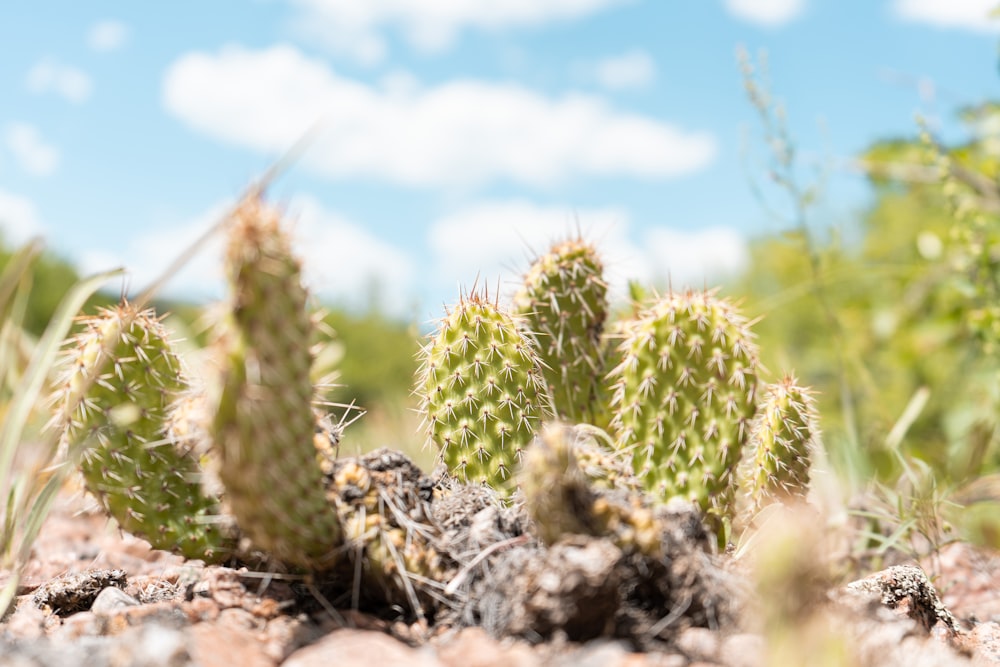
(28, 504)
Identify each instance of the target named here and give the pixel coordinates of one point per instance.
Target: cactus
(130, 377)
(481, 392)
(563, 499)
(683, 396)
(783, 436)
(264, 426)
(563, 302)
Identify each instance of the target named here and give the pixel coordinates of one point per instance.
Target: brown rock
(906, 590)
(360, 647)
(223, 645)
(983, 642)
(27, 622)
(742, 650)
(201, 609)
(699, 644)
(472, 647)
(111, 600)
(285, 634)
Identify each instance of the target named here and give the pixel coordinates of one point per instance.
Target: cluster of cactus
(244, 469)
(676, 385)
(598, 430)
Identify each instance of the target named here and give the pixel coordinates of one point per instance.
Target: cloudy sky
(454, 136)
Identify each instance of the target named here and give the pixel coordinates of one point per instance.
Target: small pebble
(111, 600)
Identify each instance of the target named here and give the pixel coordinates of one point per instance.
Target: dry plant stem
(783, 155)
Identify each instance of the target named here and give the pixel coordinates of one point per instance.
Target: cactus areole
(481, 392)
(684, 396)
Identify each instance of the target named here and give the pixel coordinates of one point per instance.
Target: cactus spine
(564, 304)
(130, 376)
(783, 436)
(482, 395)
(265, 425)
(683, 396)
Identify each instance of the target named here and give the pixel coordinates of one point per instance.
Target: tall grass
(30, 474)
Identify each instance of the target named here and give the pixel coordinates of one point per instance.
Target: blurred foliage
(30, 472)
(51, 278)
(895, 320)
(379, 361)
(878, 321)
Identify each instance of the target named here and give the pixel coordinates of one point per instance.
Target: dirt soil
(93, 596)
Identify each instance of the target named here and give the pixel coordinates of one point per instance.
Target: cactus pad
(564, 304)
(265, 424)
(783, 437)
(564, 499)
(482, 395)
(683, 397)
(129, 377)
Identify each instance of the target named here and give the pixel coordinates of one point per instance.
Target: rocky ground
(648, 591)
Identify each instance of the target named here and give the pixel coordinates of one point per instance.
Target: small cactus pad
(482, 394)
(563, 498)
(126, 378)
(683, 397)
(783, 437)
(265, 424)
(564, 304)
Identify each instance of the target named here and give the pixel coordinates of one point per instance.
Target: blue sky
(455, 134)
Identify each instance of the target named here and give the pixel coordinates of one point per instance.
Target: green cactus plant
(783, 437)
(683, 397)
(129, 378)
(482, 396)
(264, 424)
(564, 498)
(564, 303)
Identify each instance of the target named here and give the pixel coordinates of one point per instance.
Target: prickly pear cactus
(129, 377)
(563, 498)
(563, 303)
(783, 437)
(265, 425)
(481, 393)
(683, 396)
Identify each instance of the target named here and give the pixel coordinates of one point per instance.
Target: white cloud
(341, 261)
(345, 263)
(966, 14)
(31, 151)
(495, 240)
(19, 218)
(354, 27)
(108, 35)
(50, 76)
(460, 133)
(696, 258)
(771, 13)
(633, 69)
(148, 254)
